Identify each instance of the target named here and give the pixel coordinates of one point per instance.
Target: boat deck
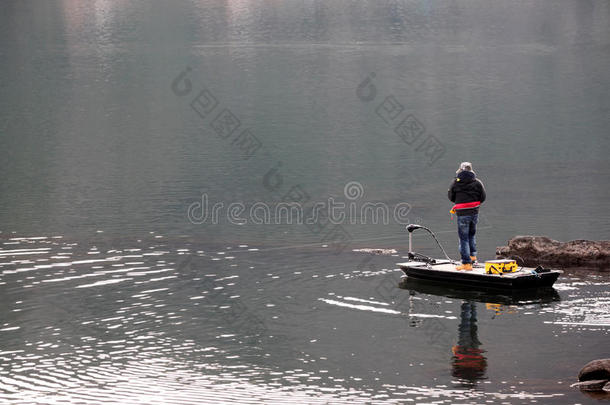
(445, 271)
(478, 269)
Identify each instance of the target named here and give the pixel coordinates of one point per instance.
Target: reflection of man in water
(469, 363)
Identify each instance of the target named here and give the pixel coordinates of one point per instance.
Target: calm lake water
(123, 123)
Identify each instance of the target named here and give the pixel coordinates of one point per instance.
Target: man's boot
(465, 267)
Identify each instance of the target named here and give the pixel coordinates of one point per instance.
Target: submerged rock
(593, 385)
(377, 251)
(536, 250)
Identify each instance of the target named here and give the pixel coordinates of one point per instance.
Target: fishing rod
(412, 227)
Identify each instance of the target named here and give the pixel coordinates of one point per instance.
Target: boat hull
(469, 293)
(446, 273)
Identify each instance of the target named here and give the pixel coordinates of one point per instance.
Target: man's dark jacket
(466, 188)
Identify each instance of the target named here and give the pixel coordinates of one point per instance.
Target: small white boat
(444, 271)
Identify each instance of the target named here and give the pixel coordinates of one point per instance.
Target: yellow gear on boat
(500, 266)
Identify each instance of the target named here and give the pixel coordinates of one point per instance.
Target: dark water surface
(114, 289)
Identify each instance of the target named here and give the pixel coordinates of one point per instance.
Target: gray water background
(97, 148)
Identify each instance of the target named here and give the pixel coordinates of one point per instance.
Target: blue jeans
(467, 228)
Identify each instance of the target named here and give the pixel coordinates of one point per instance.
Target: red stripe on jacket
(463, 206)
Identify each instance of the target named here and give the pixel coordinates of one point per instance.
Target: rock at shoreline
(536, 250)
(594, 376)
(377, 251)
(595, 370)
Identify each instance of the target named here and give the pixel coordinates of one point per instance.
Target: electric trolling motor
(417, 256)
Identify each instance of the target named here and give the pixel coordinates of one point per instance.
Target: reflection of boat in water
(458, 291)
(468, 362)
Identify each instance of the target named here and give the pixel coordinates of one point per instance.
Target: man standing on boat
(468, 193)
